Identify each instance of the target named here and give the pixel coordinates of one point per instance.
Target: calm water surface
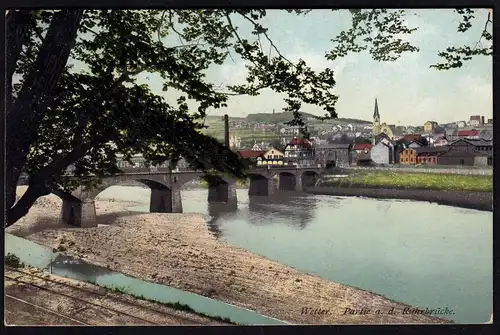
(423, 254)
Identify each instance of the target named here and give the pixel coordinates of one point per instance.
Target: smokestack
(226, 131)
(482, 119)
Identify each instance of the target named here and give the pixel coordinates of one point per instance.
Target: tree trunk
(26, 113)
(17, 25)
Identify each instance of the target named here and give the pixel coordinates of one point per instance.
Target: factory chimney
(482, 119)
(226, 131)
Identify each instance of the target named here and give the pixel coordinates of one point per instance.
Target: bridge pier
(164, 200)
(160, 201)
(79, 213)
(176, 200)
(298, 182)
(222, 192)
(261, 187)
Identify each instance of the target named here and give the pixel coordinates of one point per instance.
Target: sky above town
(409, 92)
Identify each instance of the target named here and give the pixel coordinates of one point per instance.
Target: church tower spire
(376, 114)
(376, 122)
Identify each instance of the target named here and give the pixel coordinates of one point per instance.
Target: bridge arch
(309, 178)
(91, 194)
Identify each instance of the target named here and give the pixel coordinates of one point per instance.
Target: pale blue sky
(408, 90)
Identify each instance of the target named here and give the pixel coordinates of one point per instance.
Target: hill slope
(281, 117)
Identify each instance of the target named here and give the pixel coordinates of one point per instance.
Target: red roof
(251, 153)
(465, 133)
(298, 141)
(413, 137)
(362, 146)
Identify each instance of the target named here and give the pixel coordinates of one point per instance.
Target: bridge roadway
(79, 207)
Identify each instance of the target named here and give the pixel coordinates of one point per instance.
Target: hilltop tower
(376, 122)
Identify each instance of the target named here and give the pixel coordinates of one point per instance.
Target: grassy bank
(174, 305)
(430, 181)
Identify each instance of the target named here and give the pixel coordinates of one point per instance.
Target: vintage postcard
(249, 167)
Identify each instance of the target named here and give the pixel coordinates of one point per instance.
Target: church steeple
(376, 114)
(376, 123)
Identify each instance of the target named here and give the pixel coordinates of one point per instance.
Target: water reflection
(79, 270)
(218, 210)
(289, 208)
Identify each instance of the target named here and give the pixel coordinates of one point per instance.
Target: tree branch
(488, 20)
(230, 22)
(265, 34)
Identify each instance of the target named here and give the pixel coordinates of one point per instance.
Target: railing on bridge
(139, 167)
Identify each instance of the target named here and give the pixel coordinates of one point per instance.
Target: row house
(272, 157)
(422, 155)
(299, 151)
(331, 155)
(429, 155)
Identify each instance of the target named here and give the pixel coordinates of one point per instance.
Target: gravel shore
(178, 250)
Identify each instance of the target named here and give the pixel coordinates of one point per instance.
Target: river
(423, 254)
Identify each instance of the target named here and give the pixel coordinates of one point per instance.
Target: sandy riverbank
(473, 200)
(178, 250)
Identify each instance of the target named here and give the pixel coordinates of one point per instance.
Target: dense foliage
(83, 119)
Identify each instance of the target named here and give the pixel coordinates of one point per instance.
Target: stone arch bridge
(79, 206)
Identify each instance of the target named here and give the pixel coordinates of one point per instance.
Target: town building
(333, 154)
(438, 131)
(461, 124)
(299, 151)
(382, 153)
(429, 155)
(408, 156)
(468, 152)
(441, 141)
(417, 139)
(429, 126)
(475, 120)
(250, 155)
(362, 147)
(273, 157)
(451, 134)
(364, 159)
(469, 134)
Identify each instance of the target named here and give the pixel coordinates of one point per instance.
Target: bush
(13, 261)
